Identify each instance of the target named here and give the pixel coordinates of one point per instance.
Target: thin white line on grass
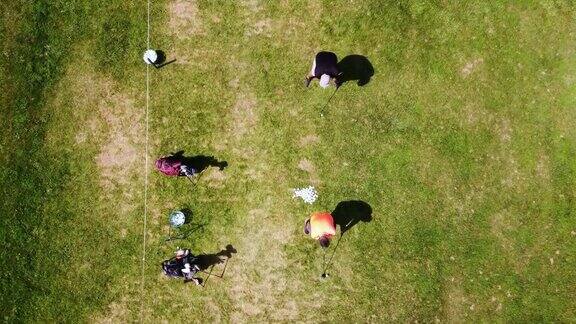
(142, 280)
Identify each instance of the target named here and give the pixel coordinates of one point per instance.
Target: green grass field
(463, 143)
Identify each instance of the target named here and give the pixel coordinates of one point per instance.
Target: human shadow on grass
(199, 162)
(351, 212)
(355, 67)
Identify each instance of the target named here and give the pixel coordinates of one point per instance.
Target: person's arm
(307, 227)
(308, 79)
(310, 75)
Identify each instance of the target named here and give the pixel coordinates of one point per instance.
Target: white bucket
(177, 218)
(150, 56)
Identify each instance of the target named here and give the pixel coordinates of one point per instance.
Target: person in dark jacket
(325, 68)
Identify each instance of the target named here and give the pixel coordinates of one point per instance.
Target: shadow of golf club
(183, 233)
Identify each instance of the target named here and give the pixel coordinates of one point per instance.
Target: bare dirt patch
(499, 226)
(108, 123)
(243, 113)
(260, 27)
(262, 293)
(454, 300)
(306, 165)
(120, 153)
(256, 24)
(475, 114)
(502, 225)
(117, 157)
(116, 312)
(504, 131)
(543, 167)
(184, 18)
(471, 66)
(80, 137)
(253, 5)
(315, 9)
(211, 307)
(214, 178)
(234, 83)
(309, 140)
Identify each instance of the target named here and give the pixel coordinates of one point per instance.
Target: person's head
(324, 242)
(324, 80)
(180, 253)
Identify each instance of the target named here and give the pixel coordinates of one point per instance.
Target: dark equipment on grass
(174, 167)
(183, 265)
(325, 68)
(192, 167)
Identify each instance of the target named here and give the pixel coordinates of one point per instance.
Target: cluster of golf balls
(308, 194)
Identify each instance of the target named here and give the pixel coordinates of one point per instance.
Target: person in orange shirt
(320, 226)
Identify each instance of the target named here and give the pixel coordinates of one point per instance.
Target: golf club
(327, 102)
(324, 275)
(197, 176)
(209, 274)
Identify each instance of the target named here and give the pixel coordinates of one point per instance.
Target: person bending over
(325, 68)
(320, 226)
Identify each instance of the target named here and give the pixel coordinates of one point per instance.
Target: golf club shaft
(327, 102)
(326, 265)
(210, 274)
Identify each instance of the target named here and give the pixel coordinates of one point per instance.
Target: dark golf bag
(173, 267)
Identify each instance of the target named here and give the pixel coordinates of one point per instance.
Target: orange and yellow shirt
(321, 224)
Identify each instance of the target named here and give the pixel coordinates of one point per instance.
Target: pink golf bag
(169, 166)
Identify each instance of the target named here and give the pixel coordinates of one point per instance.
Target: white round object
(177, 218)
(150, 56)
(324, 80)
